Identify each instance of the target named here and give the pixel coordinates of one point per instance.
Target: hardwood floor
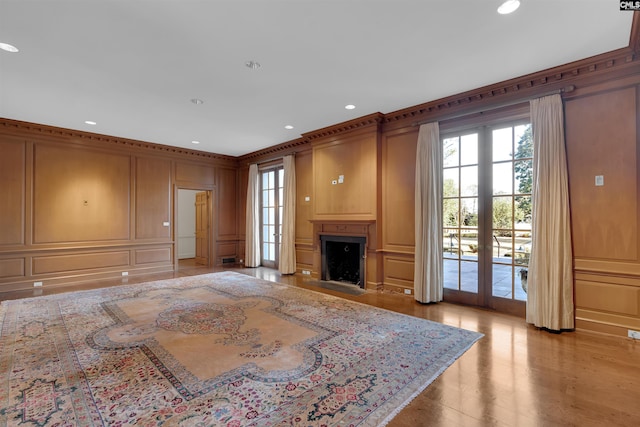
(516, 375)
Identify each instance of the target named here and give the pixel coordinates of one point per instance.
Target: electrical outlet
(306, 272)
(407, 291)
(125, 273)
(633, 334)
(37, 284)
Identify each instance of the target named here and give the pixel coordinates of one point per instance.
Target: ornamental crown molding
(20, 128)
(523, 88)
(269, 153)
(374, 119)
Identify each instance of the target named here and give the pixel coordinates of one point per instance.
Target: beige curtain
(428, 271)
(287, 264)
(252, 231)
(550, 277)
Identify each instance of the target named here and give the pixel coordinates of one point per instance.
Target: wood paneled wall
(602, 139)
(77, 206)
(378, 164)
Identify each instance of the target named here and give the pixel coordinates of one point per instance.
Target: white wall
(186, 223)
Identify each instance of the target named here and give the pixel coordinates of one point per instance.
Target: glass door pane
(460, 213)
(512, 171)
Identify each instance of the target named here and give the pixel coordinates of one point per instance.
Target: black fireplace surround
(343, 259)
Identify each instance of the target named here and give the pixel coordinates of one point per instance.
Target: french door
(487, 177)
(271, 209)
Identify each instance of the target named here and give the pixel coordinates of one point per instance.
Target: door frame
(210, 190)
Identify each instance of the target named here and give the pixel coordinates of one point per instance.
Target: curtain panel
(428, 268)
(252, 230)
(287, 264)
(550, 293)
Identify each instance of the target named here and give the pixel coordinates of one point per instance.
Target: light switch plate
(599, 180)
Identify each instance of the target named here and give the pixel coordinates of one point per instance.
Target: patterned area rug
(221, 349)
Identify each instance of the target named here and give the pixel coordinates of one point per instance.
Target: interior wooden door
(202, 228)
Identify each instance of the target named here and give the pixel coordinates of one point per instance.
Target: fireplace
(343, 259)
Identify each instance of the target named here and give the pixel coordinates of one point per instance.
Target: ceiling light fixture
(197, 101)
(90, 122)
(8, 47)
(195, 142)
(350, 107)
(252, 64)
(288, 127)
(508, 7)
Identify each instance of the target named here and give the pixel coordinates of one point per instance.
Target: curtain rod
(566, 89)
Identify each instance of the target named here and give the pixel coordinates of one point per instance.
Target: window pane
(469, 212)
(469, 241)
(469, 276)
(451, 244)
(523, 174)
(523, 213)
(265, 233)
(521, 283)
(450, 184)
(450, 212)
(502, 178)
(524, 141)
(272, 251)
(469, 149)
(502, 213)
(451, 274)
(469, 181)
(502, 280)
(450, 152)
(272, 215)
(502, 144)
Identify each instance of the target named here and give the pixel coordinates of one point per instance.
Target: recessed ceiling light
(197, 101)
(195, 142)
(350, 107)
(8, 47)
(508, 6)
(288, 127)
(90, 122)
(252, 64)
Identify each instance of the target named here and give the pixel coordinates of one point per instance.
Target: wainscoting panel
(226, 204)
(12, 177)
(152, 256)
(398, 272)
(304, 196)
(355, 159)
(602, 140)
(398, 190)
(80, 195)
(13, 267)
(195, 173)
(153, 198)
(47, 264)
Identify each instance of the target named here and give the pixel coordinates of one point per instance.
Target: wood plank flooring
(516, 375)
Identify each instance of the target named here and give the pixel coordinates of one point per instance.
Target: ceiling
(134, 67)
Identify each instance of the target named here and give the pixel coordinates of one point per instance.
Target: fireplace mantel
(347, 227)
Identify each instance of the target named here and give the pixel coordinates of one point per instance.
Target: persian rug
(221, 349)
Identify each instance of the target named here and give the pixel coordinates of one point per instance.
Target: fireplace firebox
(343, 259)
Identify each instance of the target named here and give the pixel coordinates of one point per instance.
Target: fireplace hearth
(343, 259)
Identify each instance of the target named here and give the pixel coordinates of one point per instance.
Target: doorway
(194, 226)
(487, 178)
(271, 210)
